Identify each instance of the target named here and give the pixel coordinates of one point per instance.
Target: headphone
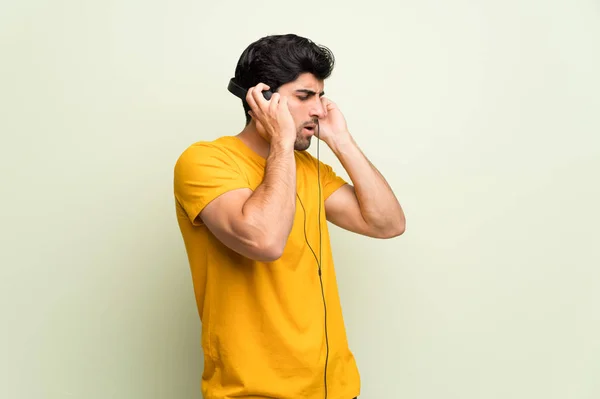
(240, 92)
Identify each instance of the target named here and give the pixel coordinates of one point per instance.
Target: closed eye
(306, 94)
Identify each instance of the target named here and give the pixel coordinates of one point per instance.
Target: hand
(273, 119)
(333, 124)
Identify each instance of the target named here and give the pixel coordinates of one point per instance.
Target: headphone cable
(319, 259)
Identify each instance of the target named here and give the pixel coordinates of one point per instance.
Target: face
(304, 102)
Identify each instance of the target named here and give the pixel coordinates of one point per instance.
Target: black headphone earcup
(240, 92)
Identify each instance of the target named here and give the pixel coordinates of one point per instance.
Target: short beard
(302, 143)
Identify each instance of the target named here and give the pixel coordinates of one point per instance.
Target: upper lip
(311, 125)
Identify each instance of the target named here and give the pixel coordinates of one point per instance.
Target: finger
(258, 89)
(251, 98)
(261, 130)
(274, 103)
(258, 96)
(260, 127)
(262, 87)
(284, 103)
(325, 103)
(251, 102)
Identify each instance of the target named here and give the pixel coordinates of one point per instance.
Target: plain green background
(483, 116)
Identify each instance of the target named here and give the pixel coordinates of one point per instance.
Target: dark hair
(278, 59)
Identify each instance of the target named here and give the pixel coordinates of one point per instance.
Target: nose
(317, 109)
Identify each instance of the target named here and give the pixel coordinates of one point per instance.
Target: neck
(254, 140)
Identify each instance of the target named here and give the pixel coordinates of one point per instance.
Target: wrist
(282, 144)
(339, 141)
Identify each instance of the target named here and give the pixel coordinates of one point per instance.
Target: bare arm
(368, 207)
(257, 224)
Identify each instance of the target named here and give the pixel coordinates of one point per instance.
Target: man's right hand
(273, 119)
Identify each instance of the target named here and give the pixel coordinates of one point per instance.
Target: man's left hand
(332, 126)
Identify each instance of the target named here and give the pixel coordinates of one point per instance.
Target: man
(253, 211)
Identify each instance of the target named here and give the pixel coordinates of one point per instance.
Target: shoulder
(309, 161)
(327, 175)
(204, 153)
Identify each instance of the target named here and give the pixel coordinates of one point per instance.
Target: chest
(309, 226)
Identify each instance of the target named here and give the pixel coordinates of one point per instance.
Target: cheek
(295, 114)
(300, 113)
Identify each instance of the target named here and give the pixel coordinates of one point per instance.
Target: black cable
(321, 257)
(318, 260)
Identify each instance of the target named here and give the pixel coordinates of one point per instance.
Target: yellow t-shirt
(263, 323)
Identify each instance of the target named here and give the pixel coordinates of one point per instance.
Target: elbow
(393, 230)
(400, 229)
(261, 243)
(270, 254)
(269, 250)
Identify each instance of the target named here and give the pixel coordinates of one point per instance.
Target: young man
(253, 211)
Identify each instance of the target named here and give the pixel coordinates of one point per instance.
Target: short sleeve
(202, 173)
(331, 181)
